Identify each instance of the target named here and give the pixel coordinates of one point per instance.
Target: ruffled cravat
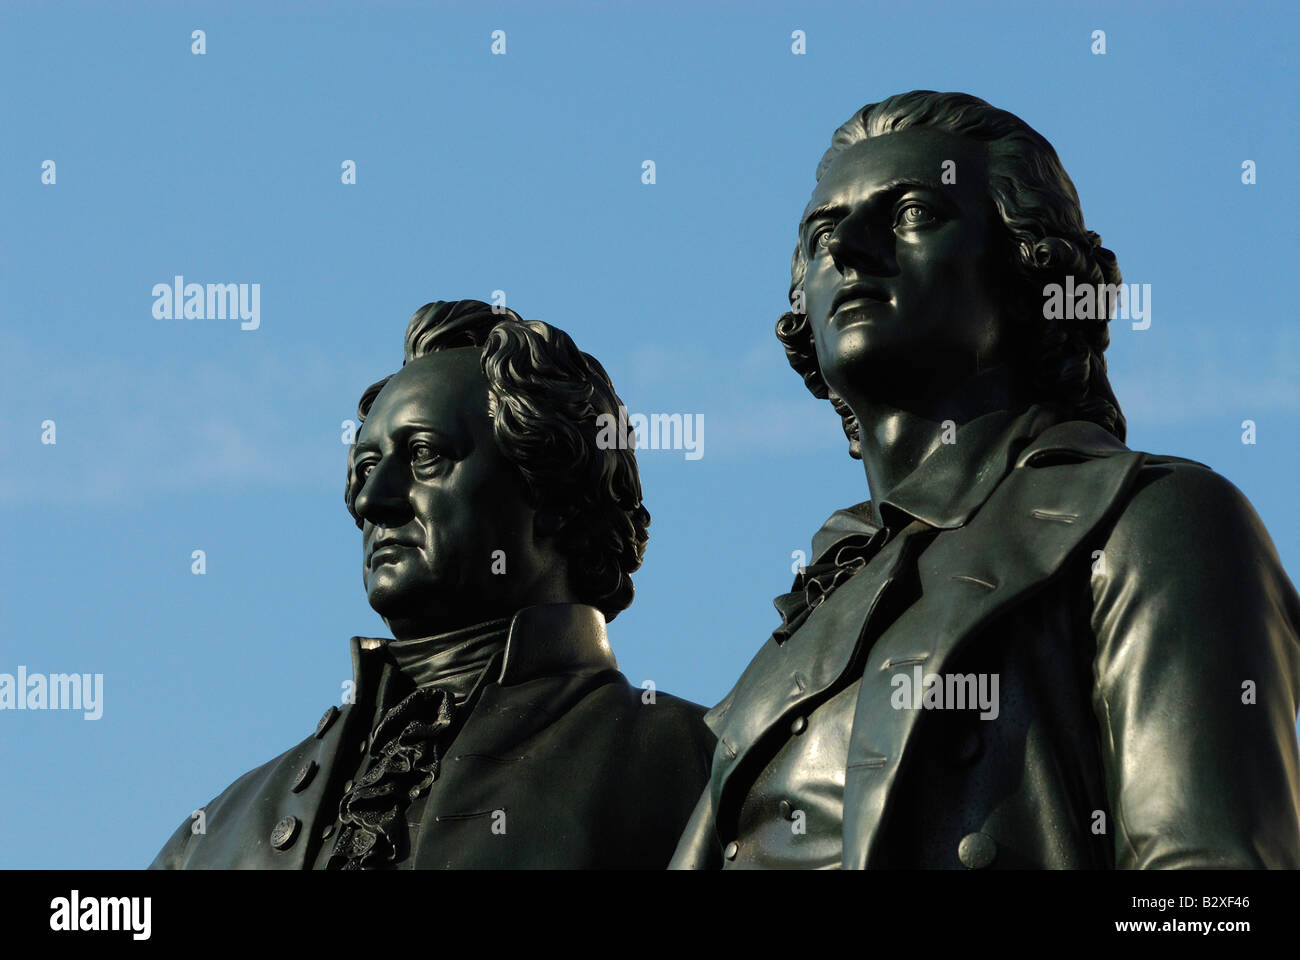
(408, 742)
(372, 818)
(812, 585)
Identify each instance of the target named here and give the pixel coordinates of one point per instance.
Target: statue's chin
(894, 377)
(869, 377)
(401, 601)
(422, 611)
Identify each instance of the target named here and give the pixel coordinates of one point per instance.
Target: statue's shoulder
(676, 714)
(1077, 441)
(254, 783)
(660, 715)
(1170, 504)
(1185, 510)
(215, 833)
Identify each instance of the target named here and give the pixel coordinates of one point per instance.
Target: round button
(731, 850)
(326, 720)
(799, 726)
(363, 746)
(328, 831)
(787, 811)
(284, 832)
(976, 851)
(347, 787)
(304, 776)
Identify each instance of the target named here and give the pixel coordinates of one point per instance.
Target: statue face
(906, 283)
(437, 499)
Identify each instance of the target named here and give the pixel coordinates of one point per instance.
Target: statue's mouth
(387, 551)
(858, 295)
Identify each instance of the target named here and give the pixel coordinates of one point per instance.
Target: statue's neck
(897, 438)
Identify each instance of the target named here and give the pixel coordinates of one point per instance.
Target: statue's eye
(822, 236)
(914, 215)
(423, 453)
(364, 468)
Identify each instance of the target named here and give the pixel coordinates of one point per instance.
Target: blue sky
(520, 172)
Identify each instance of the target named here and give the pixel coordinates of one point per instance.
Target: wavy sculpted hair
(544, 399)
(1045, 241)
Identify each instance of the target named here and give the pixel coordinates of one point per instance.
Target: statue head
(477, 480)
(922, 258)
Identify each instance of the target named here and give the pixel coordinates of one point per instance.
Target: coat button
(328, 831)
(976, 851)
(305, 773)
(347, 787)
(799, 726)
(731, 850)
(785, 809)
(326, 719)
(284, 832)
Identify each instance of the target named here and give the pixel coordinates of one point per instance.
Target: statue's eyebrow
(825, 210)
(444, 440)
(835, 210)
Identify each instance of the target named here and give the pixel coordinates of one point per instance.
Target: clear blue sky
(520, 172)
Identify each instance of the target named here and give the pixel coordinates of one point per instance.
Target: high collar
(554, 638)
(952, 483)
(455, 659)
(543, 640)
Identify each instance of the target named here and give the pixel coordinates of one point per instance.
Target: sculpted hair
(546, 399)
(1045, 238)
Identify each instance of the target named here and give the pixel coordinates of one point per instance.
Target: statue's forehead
(916, 154)
(446, 386)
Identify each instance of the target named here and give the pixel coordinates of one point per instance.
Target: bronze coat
(587, 773)
(1123, 740)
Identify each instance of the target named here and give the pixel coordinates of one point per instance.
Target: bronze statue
(494, 730)
(1033, 647)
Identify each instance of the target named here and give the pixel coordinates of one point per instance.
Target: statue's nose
(382, 499)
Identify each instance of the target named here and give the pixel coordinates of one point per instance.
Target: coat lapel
(784, 676)
(1032, 524)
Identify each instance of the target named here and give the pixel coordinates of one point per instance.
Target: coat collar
(952, 482)
(556, 638)
(544, 640)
